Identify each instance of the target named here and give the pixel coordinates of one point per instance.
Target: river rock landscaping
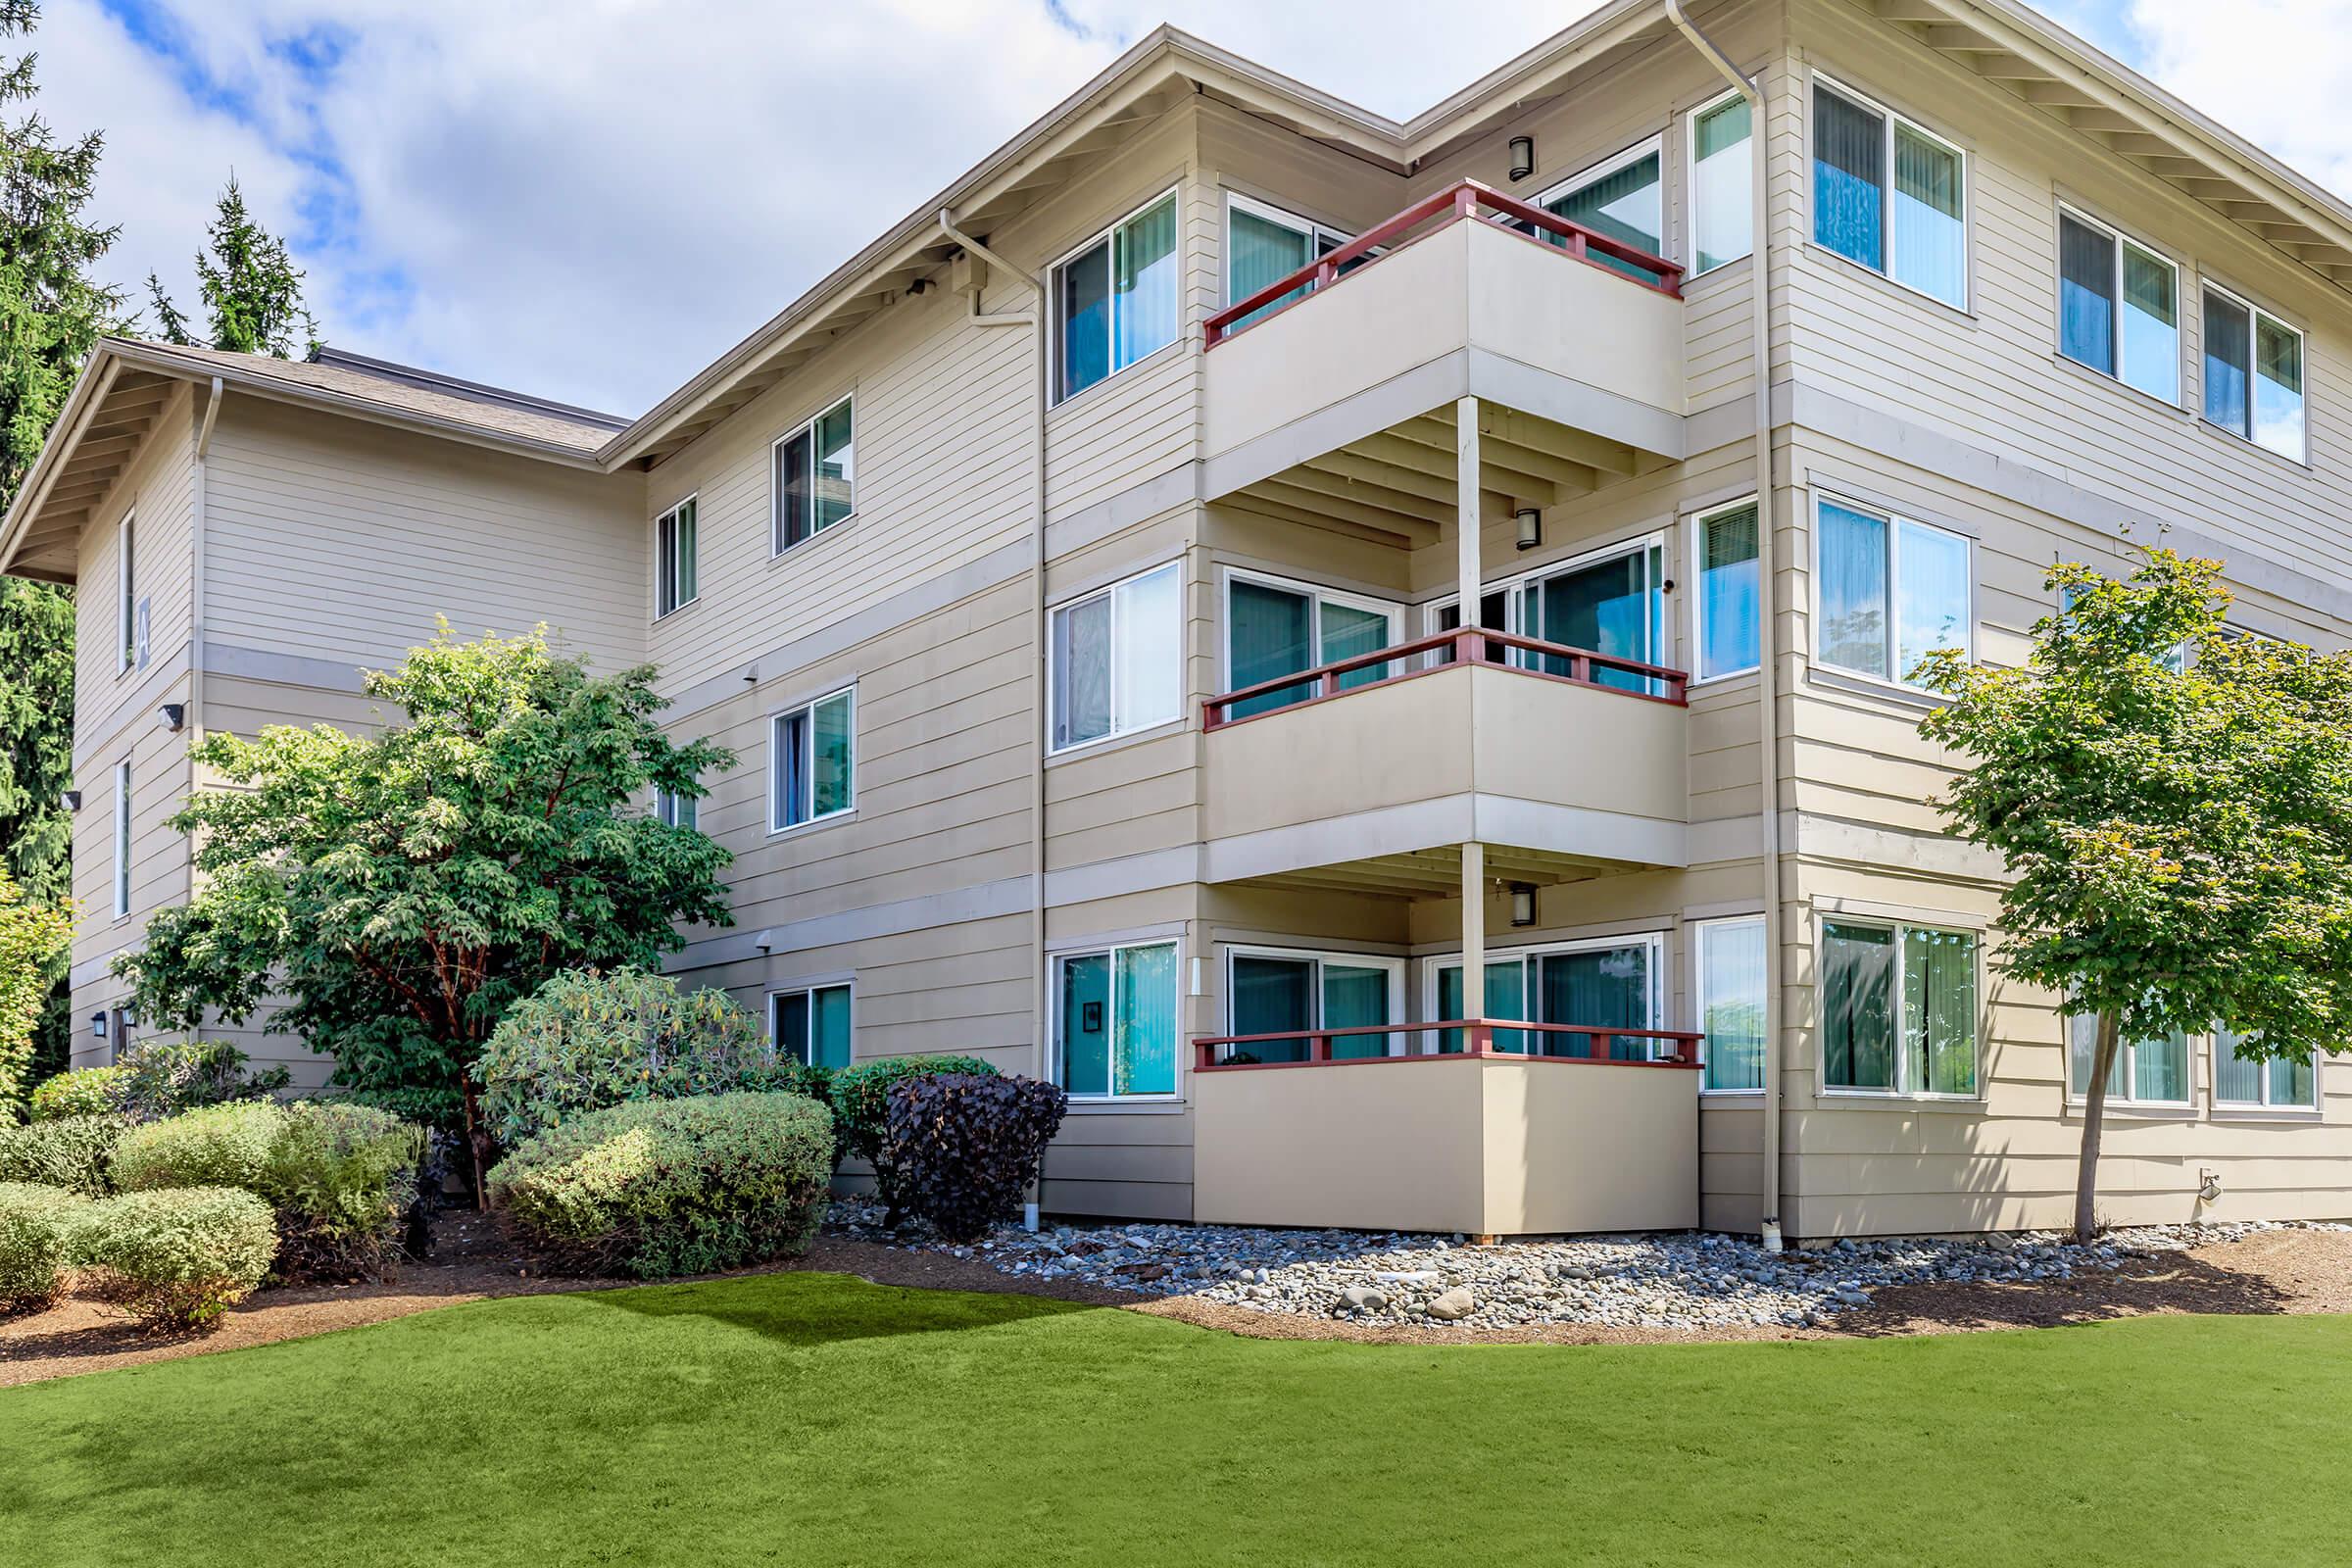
(1680, 1280)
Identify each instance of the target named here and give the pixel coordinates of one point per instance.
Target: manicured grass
(812, 1418)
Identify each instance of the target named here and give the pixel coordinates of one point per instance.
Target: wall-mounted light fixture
(70, 800)
(1523, 904)
(173, 716)
(1531, 526)
(98, 1026)
(130, 1019)
(1523, 157)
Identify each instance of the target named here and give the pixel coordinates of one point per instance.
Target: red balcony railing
(1215, 1052)
(1463, 200)
(1426, 656)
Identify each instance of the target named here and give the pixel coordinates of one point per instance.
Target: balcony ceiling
(1438, 873)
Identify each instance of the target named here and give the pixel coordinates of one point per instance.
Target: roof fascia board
(90, 388)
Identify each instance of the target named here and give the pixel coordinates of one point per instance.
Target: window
(1118, 662)
(1898, 1008)
(122, 840)
(1891, 591)
(672, 809)
(1890, 196)
(1730, 1000)
(1722, 184)
(1611, 602)
(1730, 607)
(2247, 1081)
(1116, 300)
(812, 478)
(811, 1024)
(813, 772)
(1268, 990)
(1275, 628)
(2146, 1072)
(126, 598)
(1264, 244)
(2253, 374)
(673, 558)
(1115, 1022)
(1616, 980)
(2118, 306)
(1618, 198)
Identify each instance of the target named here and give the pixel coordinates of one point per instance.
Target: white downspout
(1041, 736)
(1768, 653)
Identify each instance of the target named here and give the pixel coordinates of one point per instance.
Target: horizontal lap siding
(159, 490)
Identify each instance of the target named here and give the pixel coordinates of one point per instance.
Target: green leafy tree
(401, 891)
(252, 289)
(2178, 830)
(32, 936)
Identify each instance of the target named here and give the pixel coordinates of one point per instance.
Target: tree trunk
(473, 1147)
(2094, 1116)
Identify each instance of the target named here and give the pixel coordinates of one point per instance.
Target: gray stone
(1364, 1298)
(1452, 1306)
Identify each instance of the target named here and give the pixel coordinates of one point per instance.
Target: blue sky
(593, 198)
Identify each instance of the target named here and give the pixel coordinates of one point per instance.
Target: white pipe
(1759, 283)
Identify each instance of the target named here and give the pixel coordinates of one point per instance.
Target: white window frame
(775, 488)
(1699, 606)
(1107, 234)
(2265, 1105)
(776, 825)
(808, 988)
(1316, 233)
(1895, 521)
(1690, 184)
(672, 809)
(1395, 968)
(1118, 730)
(1061, 956)
(665, 516)
(2122, 238)
(1653, 144)
(1656, 941)
(1514, 587)
(1315, 593)
(2131, 1099)
(121, 880)
(1891, 118)
(127, 587)
(2256, 316)
(1699, 931)
(1902, 1056)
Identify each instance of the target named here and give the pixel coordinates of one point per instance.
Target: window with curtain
(1264, 244)
(1619, 199)
(1889, 195)
(810, 1024)
(813, 478)
(1731, 961)
(1729, 605)
(1272, 992)
(1116, 299)
(1274, 629)
(2253, 374)
(1890, 591)
(121, 880)
(2247, 1081)
(1612, 606)
(812, 773)
(2151, 1072)
(2118, 306)
(1722, 184)
(674, 585)
(1898, 1008)
(1118, 664)
(1613, 983)
(1115, 1022)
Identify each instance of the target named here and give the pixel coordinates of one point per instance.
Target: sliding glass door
(1613, 982)
(1609, 603)
(1276, 628)
(1274, 991)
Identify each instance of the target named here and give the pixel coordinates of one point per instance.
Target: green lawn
(813, 1418)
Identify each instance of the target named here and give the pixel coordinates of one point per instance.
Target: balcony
(1372, 771)
(1332, 391)
(1582, 1129)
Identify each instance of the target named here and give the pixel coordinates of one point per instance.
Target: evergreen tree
(51, 314)
(251, 287)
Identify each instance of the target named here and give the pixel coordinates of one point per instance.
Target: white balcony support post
(1466, 520)
(1474, 941)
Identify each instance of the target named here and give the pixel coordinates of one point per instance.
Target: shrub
(587, 1040)
(84, 1092)
(673, 1186)
(36, 1238)
(217, 1145)
(165, 1077)
(860, 1097)
(967, 1147)
(181, 1257)
(340, 1176)
(71, 1151)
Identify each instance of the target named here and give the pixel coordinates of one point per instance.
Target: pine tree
(51, 314)
(252, 289)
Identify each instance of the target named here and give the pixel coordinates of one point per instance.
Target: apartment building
(1080, 573)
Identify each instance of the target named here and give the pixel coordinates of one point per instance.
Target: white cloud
(2267, 68)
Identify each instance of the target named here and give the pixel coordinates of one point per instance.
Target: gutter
(1768, 630)
(1041, 734)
